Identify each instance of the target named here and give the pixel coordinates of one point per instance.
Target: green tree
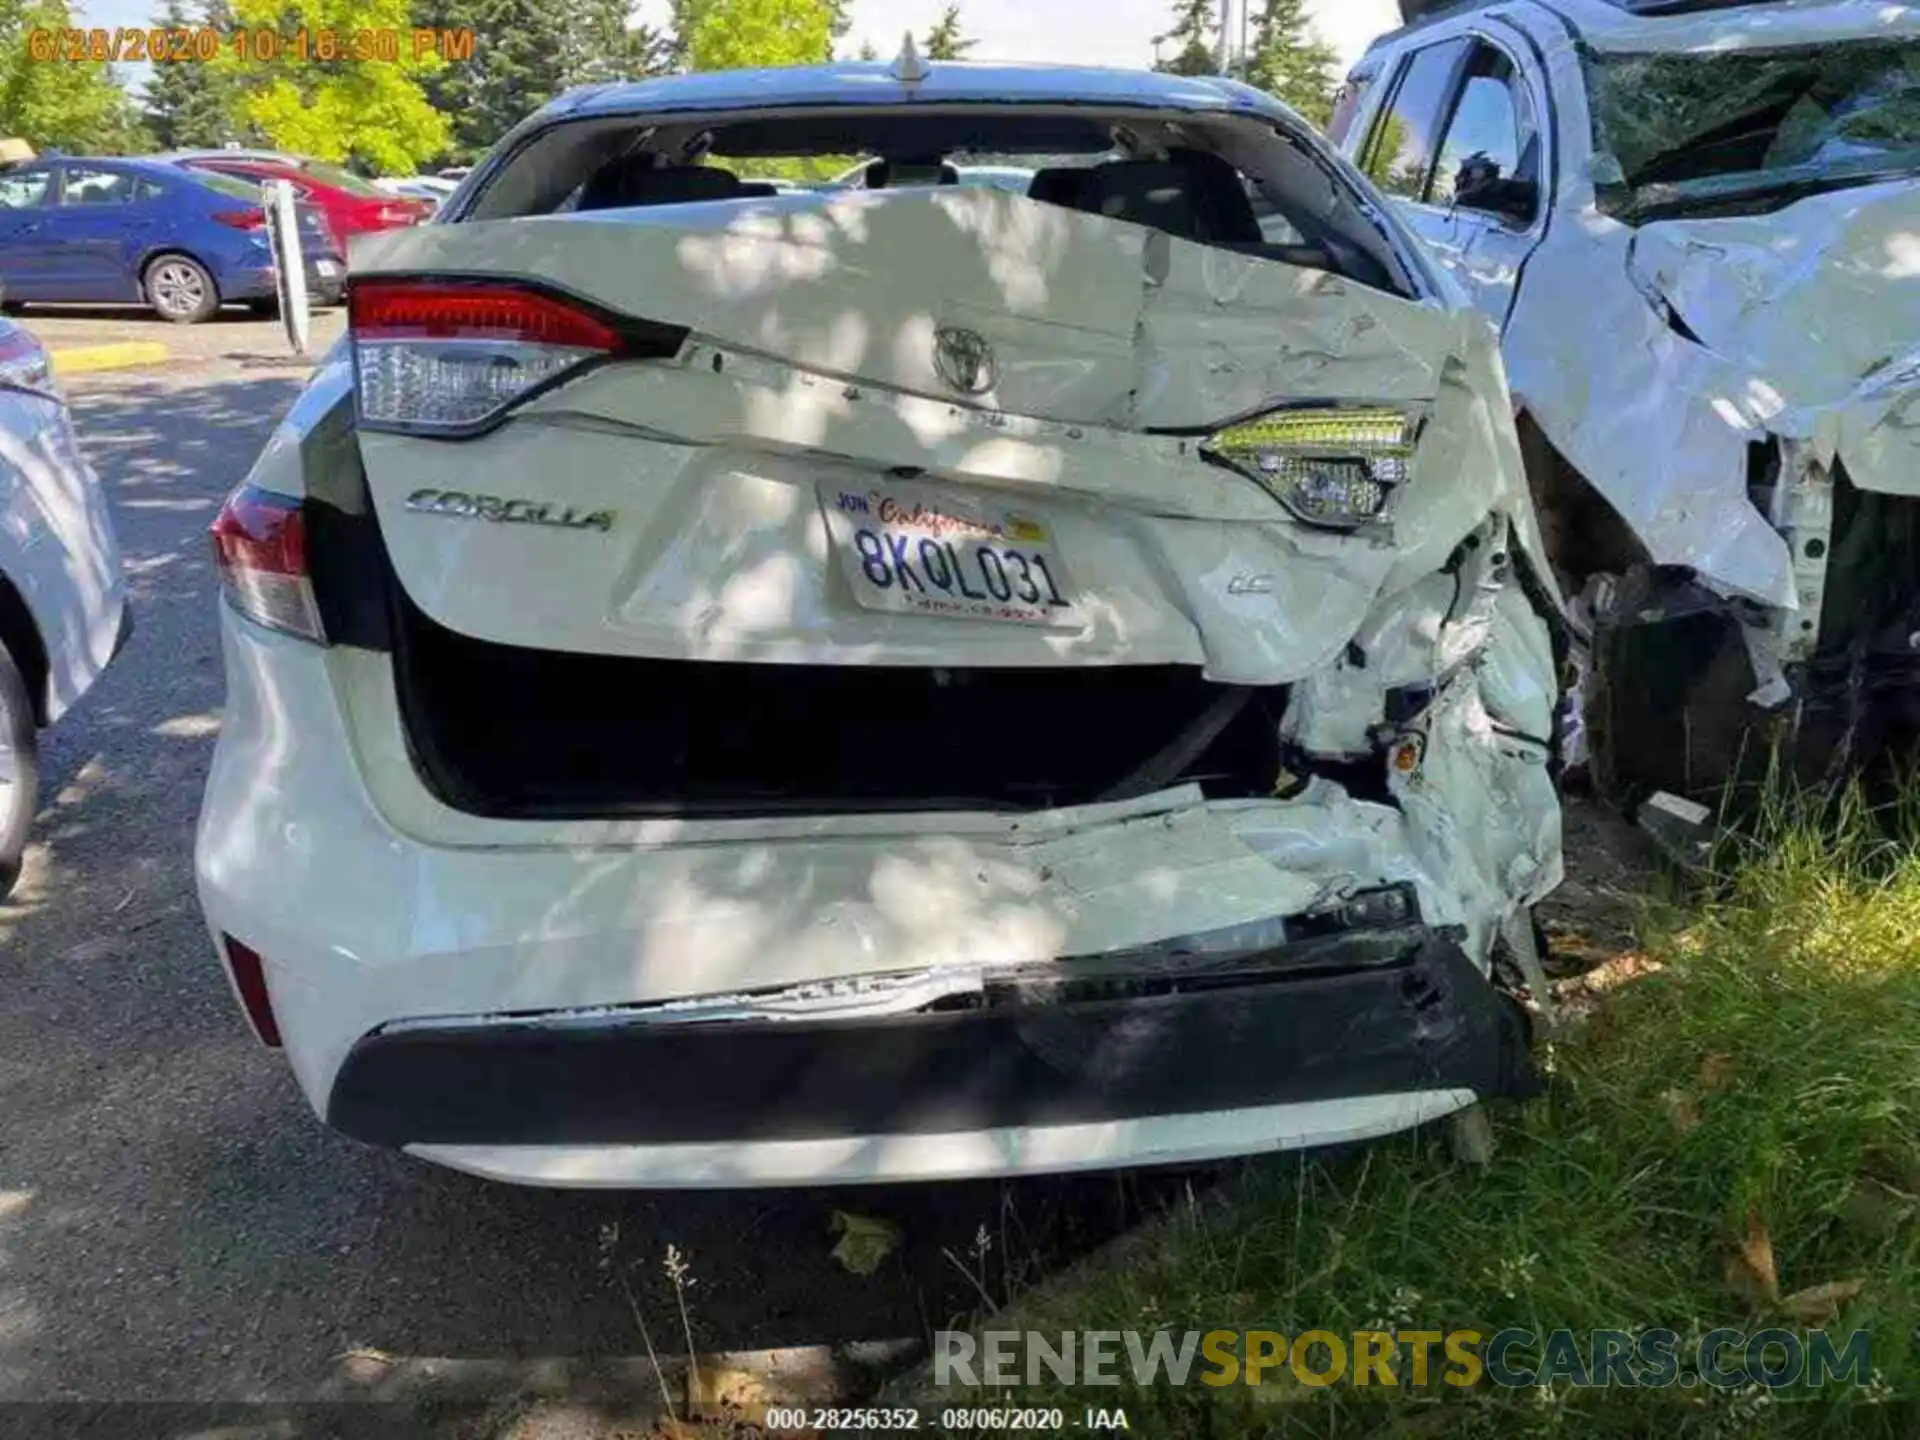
(944, 41)
(190, 106)
(867, 51)
(1291, 61)
(1195, 23)
(57, 104)
(737, 34)
(524, 53)
(603, 45)
(366, 108)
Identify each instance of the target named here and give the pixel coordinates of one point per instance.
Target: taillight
(250, 983)
(260, 545)
(241, 219)
(437, 357)
(398, 215)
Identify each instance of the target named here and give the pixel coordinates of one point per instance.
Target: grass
(1756, 1089)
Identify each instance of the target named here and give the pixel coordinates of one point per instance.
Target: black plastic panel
(1428, 1020)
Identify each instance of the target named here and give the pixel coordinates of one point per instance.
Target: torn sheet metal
(1695, 338)
(1481, 809)
(1658, 424)
(1820, 304)
(1469, 772)
(1474, 617)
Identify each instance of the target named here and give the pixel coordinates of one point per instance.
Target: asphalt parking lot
(174, 1224)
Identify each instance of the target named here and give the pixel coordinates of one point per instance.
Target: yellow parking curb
(107, 357)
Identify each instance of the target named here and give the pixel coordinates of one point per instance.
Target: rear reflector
(250, 982)
(260, 545)
(437, 357)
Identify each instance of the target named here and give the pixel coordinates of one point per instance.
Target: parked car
(430, 188)
(1694, 225)
(352, 206)
(63, 610)
(143, 231)
(741, 688)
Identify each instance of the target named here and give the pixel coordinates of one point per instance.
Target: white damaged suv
(732, 688)
(1698, 224)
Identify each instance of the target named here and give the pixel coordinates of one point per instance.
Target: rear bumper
(1067, 1044)
(539, 1001)
(1185, 1139)
(262, 282)
(248, 282)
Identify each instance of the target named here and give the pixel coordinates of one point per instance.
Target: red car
(350, 204)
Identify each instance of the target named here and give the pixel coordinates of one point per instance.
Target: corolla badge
(964, 360)
(501, 510)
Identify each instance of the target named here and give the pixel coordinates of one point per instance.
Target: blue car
(143, 231)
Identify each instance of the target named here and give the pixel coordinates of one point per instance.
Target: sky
(1079, 32)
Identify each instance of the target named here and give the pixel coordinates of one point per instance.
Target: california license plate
(926, 551)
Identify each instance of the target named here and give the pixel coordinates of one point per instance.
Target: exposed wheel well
(1583, 533)
(22, 639)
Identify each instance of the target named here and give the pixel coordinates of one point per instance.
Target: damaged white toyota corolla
(917, 680)
(1699, 225)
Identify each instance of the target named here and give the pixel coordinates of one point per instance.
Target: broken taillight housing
(260, 545)
(1335, 466)
(451, 357)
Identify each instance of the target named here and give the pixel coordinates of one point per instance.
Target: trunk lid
(697, 507)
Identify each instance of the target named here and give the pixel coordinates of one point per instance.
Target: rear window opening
(516, 733)
(1228, 182)
(1189, 193)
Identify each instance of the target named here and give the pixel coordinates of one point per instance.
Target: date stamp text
(189, 44)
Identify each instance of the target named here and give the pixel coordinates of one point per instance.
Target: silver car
(63, 610)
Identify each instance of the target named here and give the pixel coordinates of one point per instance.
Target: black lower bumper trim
(1426, 1019)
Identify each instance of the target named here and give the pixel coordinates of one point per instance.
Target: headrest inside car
(634, 180)
(1191, 194)
(886, 173)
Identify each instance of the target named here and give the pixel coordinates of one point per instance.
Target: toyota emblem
(964, 360)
